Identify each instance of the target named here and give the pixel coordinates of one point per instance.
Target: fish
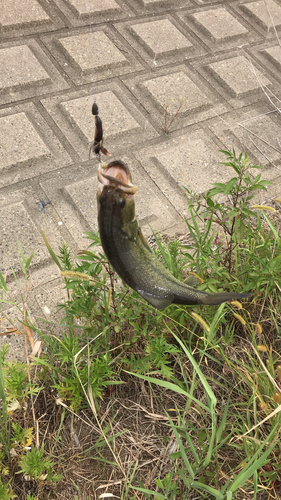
(130, 254)
(97, 145)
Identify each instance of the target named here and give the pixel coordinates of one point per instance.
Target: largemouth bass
(129, 252)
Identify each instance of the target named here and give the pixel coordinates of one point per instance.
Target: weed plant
(209, 379)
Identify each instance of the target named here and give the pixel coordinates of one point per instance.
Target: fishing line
(97, 145)
(94, 107)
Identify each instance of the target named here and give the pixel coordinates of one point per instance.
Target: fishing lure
(97, 145)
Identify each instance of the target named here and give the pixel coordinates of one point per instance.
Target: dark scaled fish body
(129, 252)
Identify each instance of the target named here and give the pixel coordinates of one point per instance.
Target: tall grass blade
(181, 447)
(3, 282)
(51, 251)
(4, 418)
(255, 463)
(170, 386)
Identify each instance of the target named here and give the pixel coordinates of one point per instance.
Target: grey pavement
(217, 64)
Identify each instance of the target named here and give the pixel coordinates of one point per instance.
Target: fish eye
(102, 199)
(121, 203)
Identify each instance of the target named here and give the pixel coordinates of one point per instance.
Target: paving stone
(123, 123)
(258, 135)
(20, 218)
(234, 74)
(143, 6)
(160, 41)
(269, 56)
(19, 141)
(219, 28)
(86, 7)
(76, 109)
(274, 54)
(176, 89)
(19, 67)
(16, 222)
(219, 24)
(207, 2)
(266, 14)
(91, 55)
(21, 12)
(25, 71)
(238, 79)
(179, 88)
(73, 195)
(23, 17)
(91, 12)
(161, 37)
(190, 161)
(92, 52)
(27, 145)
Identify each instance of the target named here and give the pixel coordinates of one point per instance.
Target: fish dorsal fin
(191, 280)
(156, 301)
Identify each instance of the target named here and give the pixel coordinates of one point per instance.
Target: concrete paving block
(269, 55)
(124, 125)
(30, 12)
(160, 41)
(19, 67)
(25, 71)
(91, 12)
(236, 77)
(179, 88)
(274, 55)
(208, 2)
(96, 52)
(258, 135)
(28, 147)
(92, 55)
(19, 141)
(219, 28)
(77, 108)
(87, 7)
(176, 89)
(157, 6)
(20, 218)
(73, 195)
(266, 15)
(190, 161)
(161, 38)
(219, 24)
(24, 17)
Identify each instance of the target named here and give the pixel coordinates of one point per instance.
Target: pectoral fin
(191, 280)
(155, 301)
(144, 240)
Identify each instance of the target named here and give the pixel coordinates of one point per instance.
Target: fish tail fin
(219, 298)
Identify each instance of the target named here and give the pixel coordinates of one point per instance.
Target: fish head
(116, 192)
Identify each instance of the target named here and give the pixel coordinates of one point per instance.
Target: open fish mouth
(116, 174)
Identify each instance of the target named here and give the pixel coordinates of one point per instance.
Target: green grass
(139, 403)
